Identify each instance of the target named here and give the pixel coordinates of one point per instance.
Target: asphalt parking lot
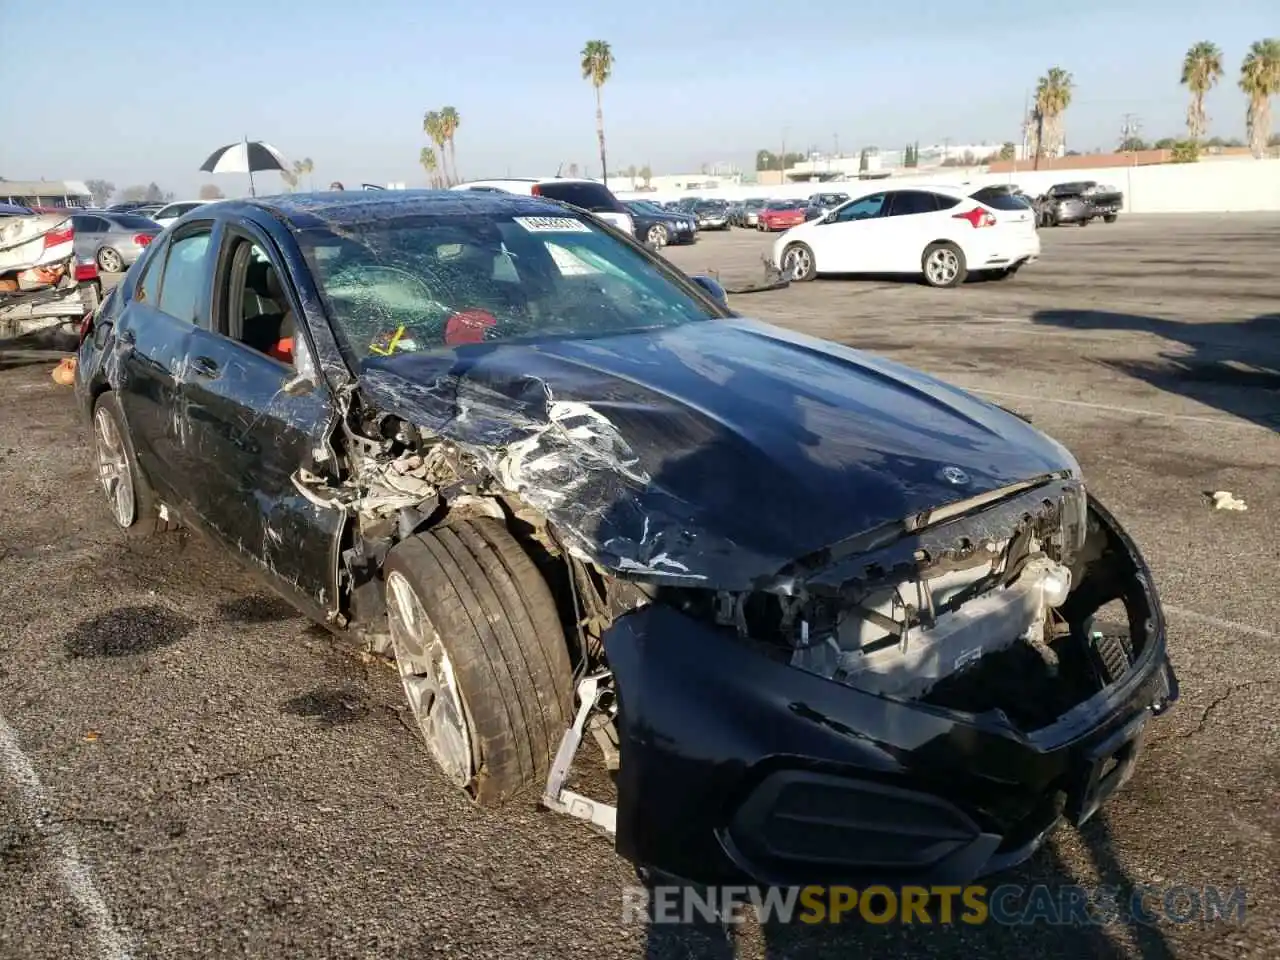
(188, 769)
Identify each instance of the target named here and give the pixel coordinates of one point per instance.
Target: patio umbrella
(247, 156)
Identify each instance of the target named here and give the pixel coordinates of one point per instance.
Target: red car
(781, 215)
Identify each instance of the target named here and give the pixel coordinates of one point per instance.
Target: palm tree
(1053, 96)
(1260, 80)
(449, 123)
(300, 169)
(1201, 69)
(427, 157)
(433, 127)
(597, 65)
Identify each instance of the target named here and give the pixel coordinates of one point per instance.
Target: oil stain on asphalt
(256, 608)
(329, 706)
(126, 631)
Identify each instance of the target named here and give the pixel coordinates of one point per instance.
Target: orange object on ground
(65, 372)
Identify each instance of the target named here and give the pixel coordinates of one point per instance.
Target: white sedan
(940, 232)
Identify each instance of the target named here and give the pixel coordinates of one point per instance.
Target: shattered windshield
(435, 282)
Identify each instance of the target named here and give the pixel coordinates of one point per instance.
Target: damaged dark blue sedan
(825, 617)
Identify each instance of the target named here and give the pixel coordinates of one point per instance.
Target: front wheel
(657, 235)
(943, 265)
(798, 262)
(1110, 218)
(481, 653)
(129, 496)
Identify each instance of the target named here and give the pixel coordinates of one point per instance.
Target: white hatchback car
(171, 212)
(940, 232)
(589, 195)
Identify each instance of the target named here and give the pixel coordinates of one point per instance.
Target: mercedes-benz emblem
(955, 475)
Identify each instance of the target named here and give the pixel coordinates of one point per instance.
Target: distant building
(678, 181)
(46, 193)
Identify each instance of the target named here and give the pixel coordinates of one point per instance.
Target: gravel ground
(189, 769)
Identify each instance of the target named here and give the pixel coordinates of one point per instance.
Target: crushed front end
(922, 703)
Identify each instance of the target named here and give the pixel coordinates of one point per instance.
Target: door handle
(205, 367)
(126, 336)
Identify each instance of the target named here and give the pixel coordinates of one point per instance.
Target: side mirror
(713, 288)
(829, 218)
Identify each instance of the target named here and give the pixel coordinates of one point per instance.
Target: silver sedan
(113, 240)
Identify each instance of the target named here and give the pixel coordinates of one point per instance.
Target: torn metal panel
(677, 479)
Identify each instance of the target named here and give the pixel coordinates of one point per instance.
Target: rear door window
(130, 222)
(909, 202)
(592, 197)
(1000, 200)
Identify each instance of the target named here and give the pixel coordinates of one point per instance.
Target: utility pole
(782, 159)
(1129, 131)
(1132, 124)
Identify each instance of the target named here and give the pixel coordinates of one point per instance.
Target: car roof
(311, 210)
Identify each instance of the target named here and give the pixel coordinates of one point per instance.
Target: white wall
(1223, 186)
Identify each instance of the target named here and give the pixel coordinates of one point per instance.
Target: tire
(1110, 218)
(110, 261)
(943, 265)
(482, 655)
(1084, 222)
(804, 267)
(658, 235)
(130, 499)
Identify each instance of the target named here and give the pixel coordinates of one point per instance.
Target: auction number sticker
(552, 225)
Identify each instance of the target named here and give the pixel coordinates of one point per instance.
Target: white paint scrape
(112, 941)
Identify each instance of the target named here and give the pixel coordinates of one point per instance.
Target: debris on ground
(65, 372)
(1225, 500)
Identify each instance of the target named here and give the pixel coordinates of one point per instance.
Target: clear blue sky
(141, 90)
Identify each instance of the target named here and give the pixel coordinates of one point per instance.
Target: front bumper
(736, 766)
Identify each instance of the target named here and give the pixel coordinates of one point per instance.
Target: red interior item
(468, 326)
(283, 350)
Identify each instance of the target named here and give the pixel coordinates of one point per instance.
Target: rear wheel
(943, 265)
(481, 654)
(798, 262)
(1110, 218)
(110, 261)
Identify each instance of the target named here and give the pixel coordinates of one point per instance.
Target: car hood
(714, 452)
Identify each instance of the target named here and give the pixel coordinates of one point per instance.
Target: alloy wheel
(114, 470)
(797, 262)
(429, 681)
(942, 266)
(109, 261)
(658, 235)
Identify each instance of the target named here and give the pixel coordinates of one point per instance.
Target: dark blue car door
(149, 353)
(256, 423)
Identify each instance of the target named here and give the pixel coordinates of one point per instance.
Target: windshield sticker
(552, 225)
